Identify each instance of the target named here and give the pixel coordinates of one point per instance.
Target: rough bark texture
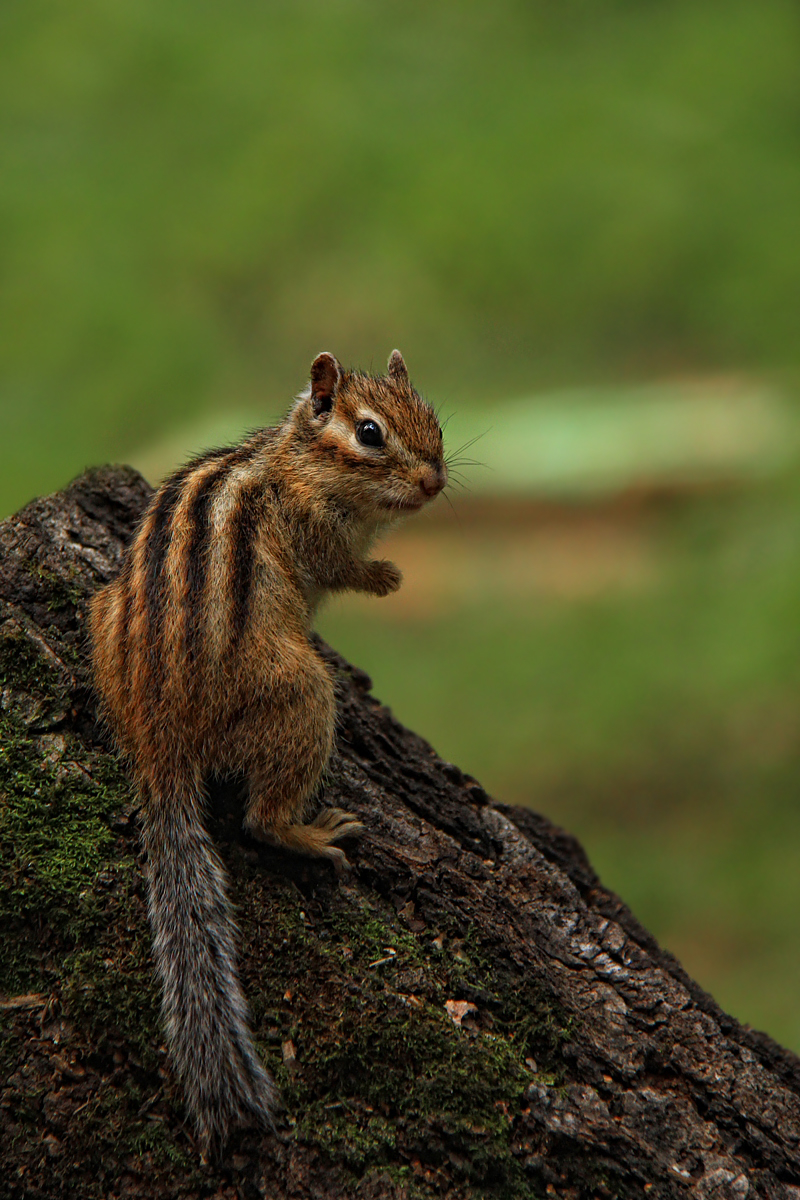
(469, 1013)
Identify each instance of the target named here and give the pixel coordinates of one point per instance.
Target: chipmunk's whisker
(471, 442)
(465, 462)
(453, 508)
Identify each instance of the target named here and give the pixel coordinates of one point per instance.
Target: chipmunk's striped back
(203, 662)
(182, 597)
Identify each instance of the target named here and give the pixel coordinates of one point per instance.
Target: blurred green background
(580, 224)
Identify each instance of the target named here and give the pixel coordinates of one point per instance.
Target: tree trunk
(468, 1013)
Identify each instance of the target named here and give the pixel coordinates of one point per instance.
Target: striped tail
(205, 1012)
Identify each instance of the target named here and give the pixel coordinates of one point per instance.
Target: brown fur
(203, 662)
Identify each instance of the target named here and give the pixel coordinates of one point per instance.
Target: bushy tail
(194, 947)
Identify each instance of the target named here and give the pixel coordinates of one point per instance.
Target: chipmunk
(203, 665)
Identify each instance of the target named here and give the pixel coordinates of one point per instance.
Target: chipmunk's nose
(433, 478)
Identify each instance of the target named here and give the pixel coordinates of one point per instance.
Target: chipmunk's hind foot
(336, 823)
(315, 839)
(332, 824)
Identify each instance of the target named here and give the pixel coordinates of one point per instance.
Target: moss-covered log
(469, 1013)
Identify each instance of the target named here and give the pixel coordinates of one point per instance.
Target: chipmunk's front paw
(382, 577)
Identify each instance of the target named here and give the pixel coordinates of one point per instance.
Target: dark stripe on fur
(197, 558)
(344, 456)
(244, 534)
(158, 543)
(156, 552)
(126, 603)
(165, 503)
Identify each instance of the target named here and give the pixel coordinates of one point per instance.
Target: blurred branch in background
(581, 204)
(592, 443)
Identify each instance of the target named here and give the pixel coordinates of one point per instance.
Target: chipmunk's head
(375, 444)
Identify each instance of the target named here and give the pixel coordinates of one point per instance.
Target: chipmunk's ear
(397, 368)
(325, 376)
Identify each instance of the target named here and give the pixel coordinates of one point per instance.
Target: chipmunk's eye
(369, 434)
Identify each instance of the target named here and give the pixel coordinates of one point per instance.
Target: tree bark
(468, 1013)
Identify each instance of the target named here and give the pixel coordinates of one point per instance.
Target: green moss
(385, 1076)
(360, 936)
(74, 921)
(108, 988)
(55, 804)
(355, 1142)
(23, 667)
(64, 593)
(59, 879)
